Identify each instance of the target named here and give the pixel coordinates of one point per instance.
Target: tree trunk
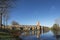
(1, 20)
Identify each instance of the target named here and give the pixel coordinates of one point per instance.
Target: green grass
(7, 35)
(4, 35)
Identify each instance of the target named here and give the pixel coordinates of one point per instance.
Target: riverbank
(10, 34)
(7, 36)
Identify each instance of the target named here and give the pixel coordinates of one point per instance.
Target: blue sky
(30, 11)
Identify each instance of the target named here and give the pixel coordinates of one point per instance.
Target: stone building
(38, 26)
(25, 27)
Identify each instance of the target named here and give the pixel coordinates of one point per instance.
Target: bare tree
(56, 25)
(15, 23)
(5, 5)
(57, 21)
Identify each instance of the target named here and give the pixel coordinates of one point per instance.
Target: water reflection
(47, 36)
(37, 35)
(57, 34)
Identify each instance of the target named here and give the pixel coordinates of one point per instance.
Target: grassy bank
(6, 36)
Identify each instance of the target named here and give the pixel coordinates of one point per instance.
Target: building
(25, 27)
(38, 26)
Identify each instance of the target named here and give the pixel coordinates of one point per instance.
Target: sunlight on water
(36, 35)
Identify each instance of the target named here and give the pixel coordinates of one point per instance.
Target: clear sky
(30, 11)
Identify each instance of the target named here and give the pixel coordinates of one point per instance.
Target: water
(37, 35)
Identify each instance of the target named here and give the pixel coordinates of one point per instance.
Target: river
(37, 35)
